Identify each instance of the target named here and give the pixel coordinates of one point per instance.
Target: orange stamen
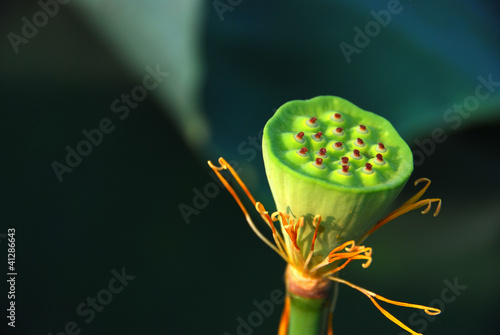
(227, 186)
(285, 318)
(330, 325)
(352, 252)
(419, 194)
(225, 165)
(262, 211)
(372, 296)
(356, 252)
(410, 205)
(290, 228)
(316, 223)
(348, 251)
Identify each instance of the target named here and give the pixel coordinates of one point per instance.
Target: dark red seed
(380, 157)
(300, 135)
(322, 151)
(337, 116)
(313, 119)
(360, 141)
(303, 150)
(339, 129)
(362, 127)
(345, 160)
(356, 153)
(318, 135)
(338, 144)
(381, 146)
(368, 166)
(345, 168)
(319, 161)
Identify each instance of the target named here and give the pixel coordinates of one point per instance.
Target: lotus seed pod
(327, 156)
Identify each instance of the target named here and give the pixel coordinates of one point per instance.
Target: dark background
(120, 207)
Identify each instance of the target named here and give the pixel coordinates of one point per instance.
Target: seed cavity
(339, 131)
(368, 169)
(344, 170)
(338, 146)
(379, 160)
(381, 148)
(319, 163)
(302, 152)
(299, 137)
(336, 117)
(318, 137)
(312, 122)
(362, 129)
(359, 143)
(356, 154)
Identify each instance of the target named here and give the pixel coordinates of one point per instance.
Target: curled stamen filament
(262, 211)
(352, 252)
(372, 296)
(360, 252)
(348, 251)
(412, 204)
(225, 165)
(269, 220)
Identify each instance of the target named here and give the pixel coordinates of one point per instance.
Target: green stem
(308, 316)
(311, 301)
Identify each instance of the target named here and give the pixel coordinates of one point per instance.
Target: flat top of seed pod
(333, 142)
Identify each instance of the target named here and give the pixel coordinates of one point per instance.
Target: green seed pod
(327, 156)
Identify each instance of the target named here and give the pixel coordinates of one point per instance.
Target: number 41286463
(11, 232)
